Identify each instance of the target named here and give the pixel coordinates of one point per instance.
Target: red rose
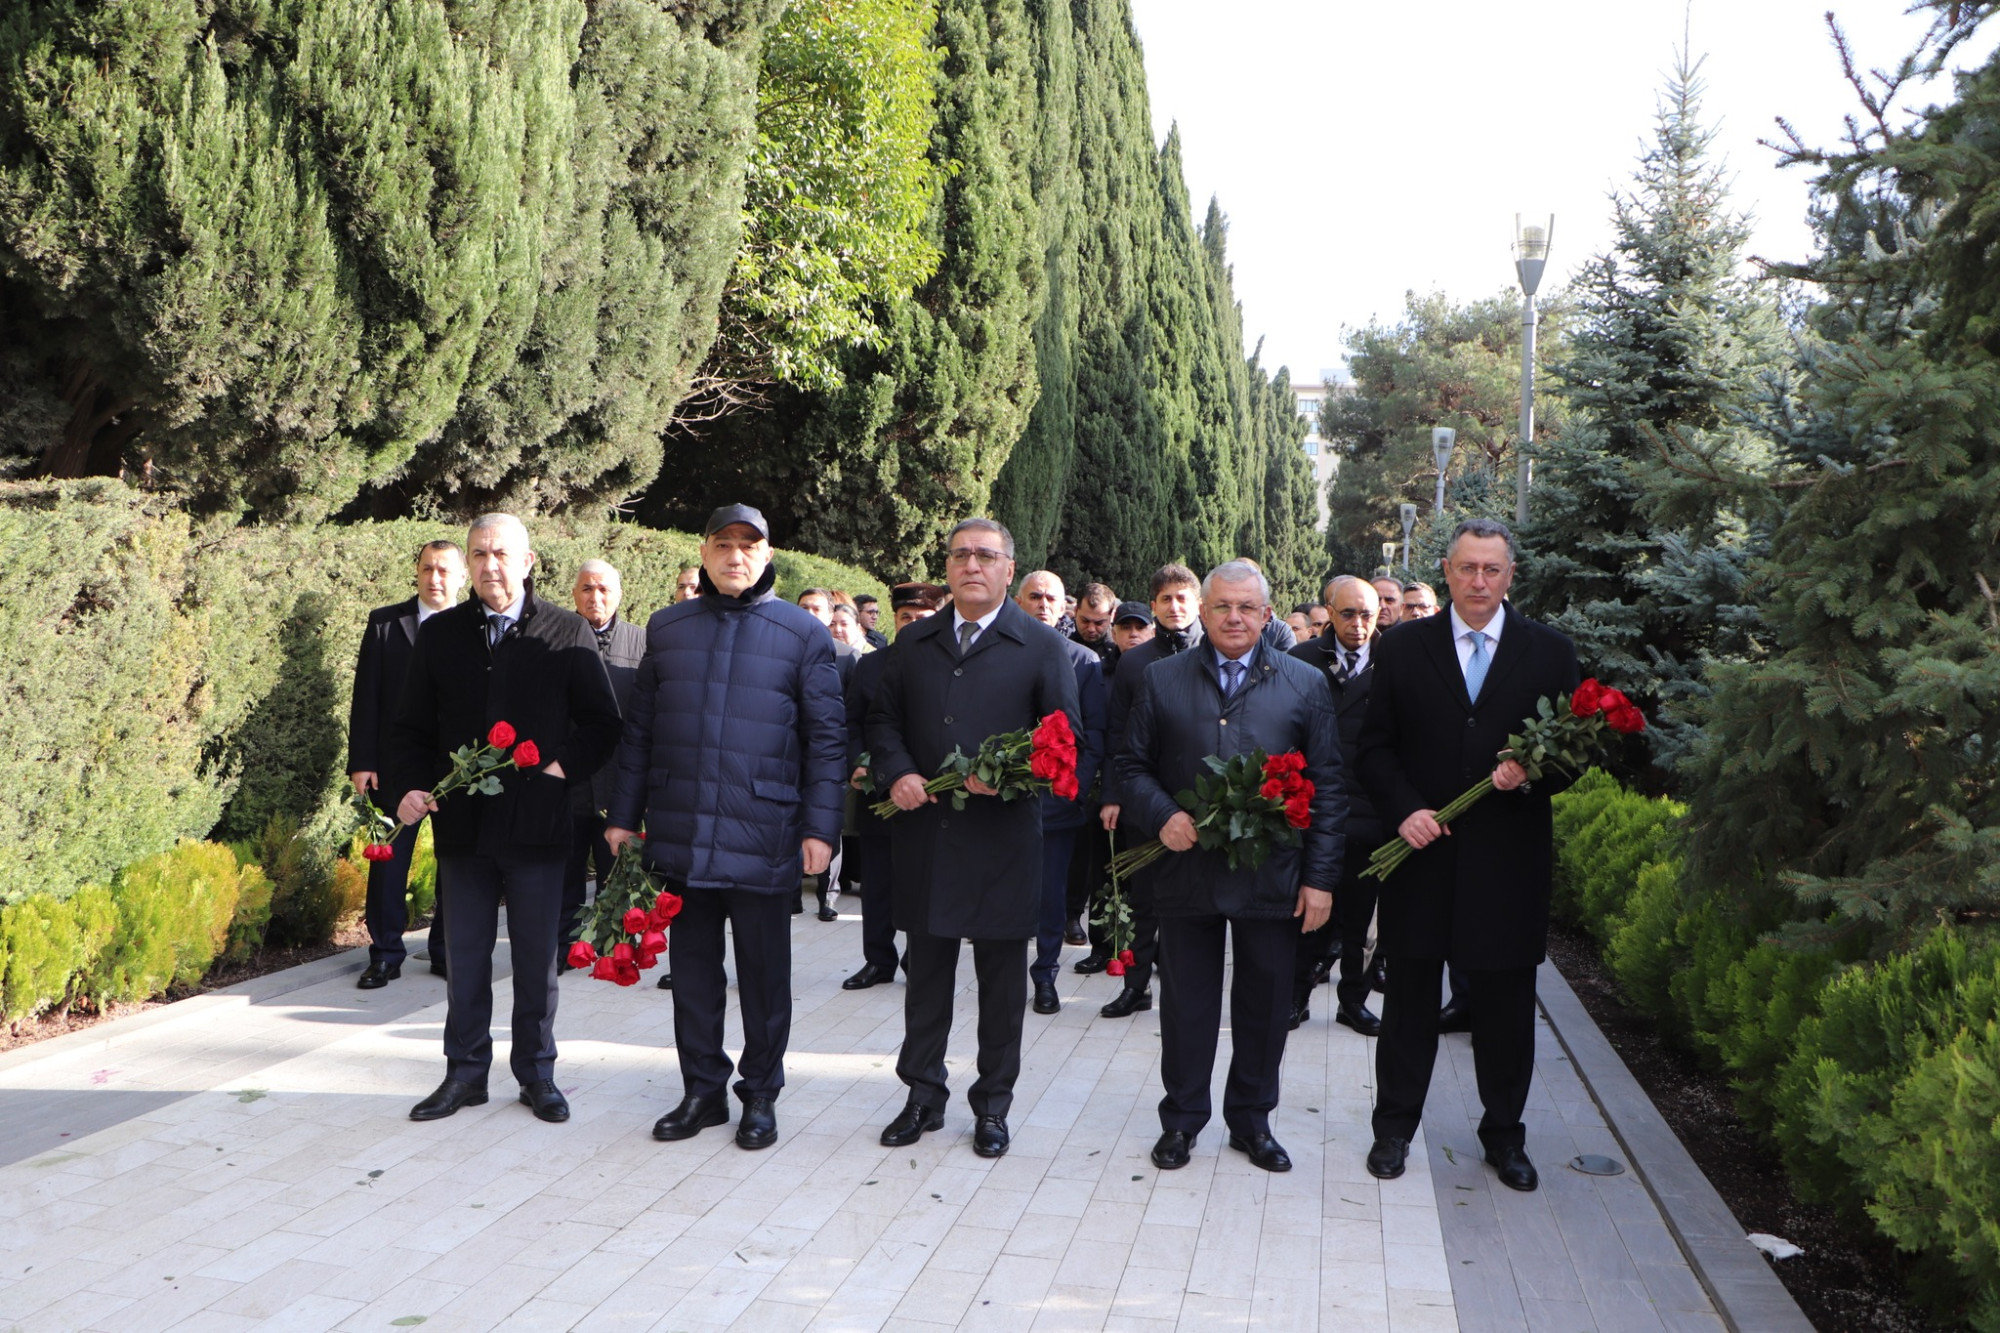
(668, 905)
(604, 970)
(501, 736)
(376, 851)
(527, 755)
(621, 952)
(641, 835)
(1065, 785)
(1044, 764)
(1053, 729)
(1298, 811)
(633, 922)
(1125, 957)
(1115, 968)
(1273, 789)
(657, 920)
(653, 942)
(1612, 699)
(625, 973)
(581, 954)
(1627, 719)
(1587, 698)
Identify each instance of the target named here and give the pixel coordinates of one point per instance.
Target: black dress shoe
(826, 912)
(666, 981)
(1262, 1150)
(375, 976)
(1454, 1018)
(1046, 999)
(1091, 964)
(545, 1100)
(1127, 1003)
(869, 975)
(1171, 1152)
(1386, 1158)
(450, 1095)
(1298, 1016)
(758, 1127)
(912, 1124)
(1323, 969)
(1075, 936)
(1359, 1017)
(1515, 1170)
(1378, 975)
(690, 1118)
(989, 1136)
(437, 967)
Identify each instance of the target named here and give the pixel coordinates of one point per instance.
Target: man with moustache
(597, 593)
(386, 648)
(1231, 696)
(504, 656)
(734, 753)
(976, 873)
(1447, 691)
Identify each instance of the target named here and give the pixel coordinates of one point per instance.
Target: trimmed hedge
(167, 680)
(1878, 1081)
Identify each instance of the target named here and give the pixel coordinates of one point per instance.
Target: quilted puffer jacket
(735, 743)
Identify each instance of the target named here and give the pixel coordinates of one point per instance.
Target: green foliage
(174, 910)
(252, 919)
(1573, 811)
(421, 892)
(1605, 856)
(1750, 1014)
(305, 900)
(46, 943)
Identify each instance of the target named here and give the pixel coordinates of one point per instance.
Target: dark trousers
(878, 927)
(1057, 846)
(1353, 909)
(1086, 868)
(1146, 932)
(386, 912)
(1503, 1048)
(760, 924)
(1191, 1017)
(533, 893)
(587, 849)
(1002, 969)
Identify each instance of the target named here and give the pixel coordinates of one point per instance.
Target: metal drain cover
(1591, 1164)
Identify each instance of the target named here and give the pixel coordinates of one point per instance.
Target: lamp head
(1531, 251)
(1443, 440)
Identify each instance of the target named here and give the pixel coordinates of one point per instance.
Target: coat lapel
(1512, 650)
(407, 621)
(1444, 656)
(1003, 624)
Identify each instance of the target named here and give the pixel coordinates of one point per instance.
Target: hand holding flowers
(475, 768)
(1010, 765)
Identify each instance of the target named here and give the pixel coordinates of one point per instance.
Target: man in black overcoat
(972, 874)
(505, 656)
(1233, 695)
(1447, 691)
(598, 593)
(386, 647)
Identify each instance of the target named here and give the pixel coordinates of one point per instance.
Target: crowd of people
(739, 740)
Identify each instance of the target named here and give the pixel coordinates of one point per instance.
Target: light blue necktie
(1475, 666)
(1232, 677)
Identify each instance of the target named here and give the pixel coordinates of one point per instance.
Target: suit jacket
(974, 873)
(1350, 708)
(547, 679)
(1479, 898)
(623, 646)
(386, 646)
(1179, 720)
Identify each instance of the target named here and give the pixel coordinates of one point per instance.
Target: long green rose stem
(1392, 854)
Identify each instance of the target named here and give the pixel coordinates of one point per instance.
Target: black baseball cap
(743, 514)
(1138, 611)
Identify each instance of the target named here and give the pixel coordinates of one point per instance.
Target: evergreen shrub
(305, 900)
(174, 910)
(46, 943)
(253, 914)
(1648, 945)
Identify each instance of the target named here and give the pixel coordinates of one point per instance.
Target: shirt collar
(984, 622)
(513, 613)
(424, 612)
(1249, 658)
(1459, 629)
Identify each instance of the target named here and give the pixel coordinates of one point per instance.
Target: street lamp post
(1408, 513)
(1531, 255)
(1443, 440)
(1389, 559)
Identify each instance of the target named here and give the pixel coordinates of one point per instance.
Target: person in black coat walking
(387, 645)
(597, 594)
(505, 656)
(1447, 691)
(972, 874)
(1232, 696)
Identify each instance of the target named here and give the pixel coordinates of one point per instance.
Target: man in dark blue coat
(734, 754)
(1233, 695)
(386, 648)
(976, 873)
(1041, 596)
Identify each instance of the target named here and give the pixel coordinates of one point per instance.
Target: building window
(1312, 448)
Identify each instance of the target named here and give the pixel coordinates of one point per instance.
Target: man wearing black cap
(734, 753)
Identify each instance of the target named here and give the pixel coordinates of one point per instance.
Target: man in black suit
(505, 656)
(972, 874)
(1232, 696)
(386, 646)
(1345, 655)
(597, 593)
(1447, 691)
(1176, 608)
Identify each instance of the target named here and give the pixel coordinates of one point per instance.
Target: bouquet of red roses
(625, 930)
(1013, 763)
(1566, 735)
(1252, 803)
(473, 767)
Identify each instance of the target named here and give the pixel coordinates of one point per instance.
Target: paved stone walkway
(241, 1162)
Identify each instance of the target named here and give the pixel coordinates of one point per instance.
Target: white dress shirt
(1459, 641)
(985, 622)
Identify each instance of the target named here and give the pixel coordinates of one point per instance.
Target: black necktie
(1344, 672)
(496, 629)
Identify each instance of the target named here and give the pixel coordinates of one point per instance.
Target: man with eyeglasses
(1447, 692)
(973, 873)
(1420, 601)
(1345, 656)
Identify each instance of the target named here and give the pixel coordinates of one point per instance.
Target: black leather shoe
(1378, 975)
(1359, 1017)
(437, 967)
(1515, 1170)
(1075, 936)
(1324, 969)
(1262, 1150)
(869, 975)
(989, 1136)
(912, 1124)
(1171, 1152)
(1046, 999)
(375, 976)
(1297, 1017)
(450, 1095)
(545, 1100)
(1454, 1018)
(1091, 964)
(666, 981)
(826, 912)
(1386, 1158)
(690, 1118)
(758, 1127)
(1127, 1003)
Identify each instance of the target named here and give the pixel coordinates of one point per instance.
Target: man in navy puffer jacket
(734, 752)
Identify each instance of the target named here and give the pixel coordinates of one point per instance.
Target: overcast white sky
(1361, 149)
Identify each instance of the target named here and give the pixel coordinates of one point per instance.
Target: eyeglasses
(1355, 613)
(985, 555)
(1474, 571)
